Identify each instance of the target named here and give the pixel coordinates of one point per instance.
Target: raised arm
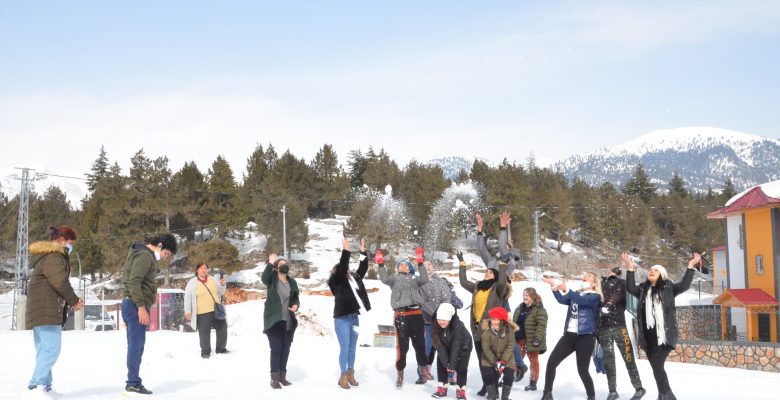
(687, 279)
(480, 244)
(269, 270)
(503, 236)
(464, 281)
(423, 279)
(383, 275)
(363, 265)
(501, 280)
(631, 286)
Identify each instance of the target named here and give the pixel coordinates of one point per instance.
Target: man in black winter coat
(612, 329)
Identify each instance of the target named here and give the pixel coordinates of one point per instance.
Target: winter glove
(451, 376)
(419, 255)
(459, 255)
(536, 342)
(500, 365)
(379, 258)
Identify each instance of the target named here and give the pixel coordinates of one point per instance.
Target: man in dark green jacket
(140, 287)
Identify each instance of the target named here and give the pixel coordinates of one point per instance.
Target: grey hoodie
(438, 290)
(405, 288)
(503, 249)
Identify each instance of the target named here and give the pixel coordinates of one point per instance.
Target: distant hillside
(703, 157)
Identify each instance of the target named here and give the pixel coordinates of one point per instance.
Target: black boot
(531, 386)
(275, 380)
(492, 392)
(505, 390)
(639, 393)
(613, 395)
(520, 373)
(667, 396)
(482, 392)
(283, 378)
(547, 395)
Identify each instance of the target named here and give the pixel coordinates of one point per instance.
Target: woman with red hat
(498, 349)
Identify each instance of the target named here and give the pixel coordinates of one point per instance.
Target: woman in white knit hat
(656, 316)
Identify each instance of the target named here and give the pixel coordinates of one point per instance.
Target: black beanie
(495, 272)
(617, 271)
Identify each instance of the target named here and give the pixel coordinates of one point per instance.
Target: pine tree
(728, 190)
(189, 194)
(99, 170)
(640, 185)
(381, 171)
(217, 254)
(330, 182)
(677, 186)
(221, 205)
(421, 186)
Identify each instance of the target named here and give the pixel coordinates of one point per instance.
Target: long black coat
(614, 290)
(453, 344)
(345, 301)
(668, 290)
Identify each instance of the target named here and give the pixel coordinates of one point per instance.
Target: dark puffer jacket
(49, 290)
(345, 302)
(668, 290)
(614, 290)
(452, 343)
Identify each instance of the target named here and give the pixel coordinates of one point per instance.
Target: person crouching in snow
(452, 342)
(498, 348)
(407, 315)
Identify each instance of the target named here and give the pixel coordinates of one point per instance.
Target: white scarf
(353, 285)
(654, 315)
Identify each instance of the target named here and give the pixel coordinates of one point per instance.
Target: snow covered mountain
(75, 189)
(704, 157)
(452, 165)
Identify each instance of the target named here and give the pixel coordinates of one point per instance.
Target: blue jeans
(428, 342)
(136, 339)
(48, 341)
(518, 356)
(347, 334)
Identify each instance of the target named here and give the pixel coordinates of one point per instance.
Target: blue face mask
(69, 246)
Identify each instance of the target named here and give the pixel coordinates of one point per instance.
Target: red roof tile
(752, 199)
(748, 297)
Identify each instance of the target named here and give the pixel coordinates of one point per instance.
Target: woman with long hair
(531, 336)
(579, 332)
(655, 314)
(350, 299)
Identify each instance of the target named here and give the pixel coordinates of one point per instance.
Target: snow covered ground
(92, 364)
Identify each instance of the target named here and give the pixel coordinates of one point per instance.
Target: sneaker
(38, 392)
(440, 393)
(226, 351)
(140, 389)
(460, 394)
(613, 395)
(639, 393)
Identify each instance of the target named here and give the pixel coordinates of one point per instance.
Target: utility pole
(537, 261)
(22, 254)
(284, 229)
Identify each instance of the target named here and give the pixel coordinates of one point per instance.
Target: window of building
(760, 264)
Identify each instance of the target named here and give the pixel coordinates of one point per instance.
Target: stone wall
(746, 355)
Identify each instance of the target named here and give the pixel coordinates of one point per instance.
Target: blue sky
(422, 79)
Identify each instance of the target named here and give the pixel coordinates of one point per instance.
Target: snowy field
(92, 364)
